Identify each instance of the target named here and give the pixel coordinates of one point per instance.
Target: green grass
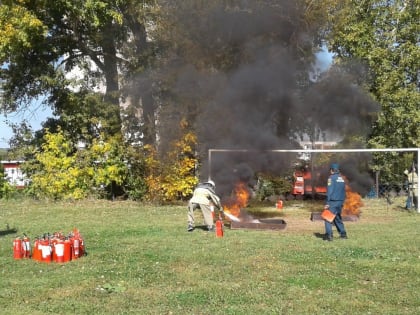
(141, 260)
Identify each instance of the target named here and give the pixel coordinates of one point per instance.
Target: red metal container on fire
(17, 248)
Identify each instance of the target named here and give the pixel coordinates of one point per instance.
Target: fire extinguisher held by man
(336, 194)
(204, 198)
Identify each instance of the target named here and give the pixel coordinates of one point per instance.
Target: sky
(37, 114)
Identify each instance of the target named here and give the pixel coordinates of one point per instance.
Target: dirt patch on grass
(298, 214)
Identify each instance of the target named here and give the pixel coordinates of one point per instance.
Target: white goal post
(211, 151)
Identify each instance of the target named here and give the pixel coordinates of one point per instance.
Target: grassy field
(141, 260)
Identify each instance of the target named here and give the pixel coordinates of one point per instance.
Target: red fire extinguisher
(67, 251)
(219, 227)
(53, 242)
(26, 247)
(17, 248)
(75, 241)
(37, 253)
(46, 250)
(82, 247)
(78, 246)
(59, 251)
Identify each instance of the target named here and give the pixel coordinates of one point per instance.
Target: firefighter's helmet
(211, 183)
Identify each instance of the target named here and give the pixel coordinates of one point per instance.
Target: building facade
(13, 173)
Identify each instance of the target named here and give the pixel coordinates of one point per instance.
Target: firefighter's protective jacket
(205, 195)
(336, 190)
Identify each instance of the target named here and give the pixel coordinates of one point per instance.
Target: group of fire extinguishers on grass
(49, 248)
(205, 198)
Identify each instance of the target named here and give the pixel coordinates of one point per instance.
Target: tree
(257, 53)
(237, 71)
(172, 176)
(384, 36)
(63, 171)
(56, 174)
(44, 40)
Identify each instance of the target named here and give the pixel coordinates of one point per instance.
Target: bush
(273, 186)
(7, 191)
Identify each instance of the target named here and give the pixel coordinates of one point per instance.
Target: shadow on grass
(200, 227)
(319, 235)
(8, 231)
(404, 209)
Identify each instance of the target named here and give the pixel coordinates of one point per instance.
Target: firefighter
(204, 198)
(336, 194)
(412, 178)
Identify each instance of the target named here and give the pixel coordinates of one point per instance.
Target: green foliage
(136, 186)
(172, 177)
(83, 115)
(8, 191)
(269, 185)
(57, 175)
(3, 181)
(108, 160)
(384, 36)
(103, 41)
(3, 154)
(19, 29)
(62, 172)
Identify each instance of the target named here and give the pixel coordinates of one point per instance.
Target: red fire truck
(306, 185)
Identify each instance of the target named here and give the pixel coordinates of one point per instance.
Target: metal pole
(319, 150)
(209, 174)
(418, 186)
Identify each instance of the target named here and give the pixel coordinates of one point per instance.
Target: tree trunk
(145, 90)
(111, 77)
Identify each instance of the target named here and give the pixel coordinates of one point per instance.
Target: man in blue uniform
(336, 194)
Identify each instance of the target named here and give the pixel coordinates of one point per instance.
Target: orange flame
(238, 200)
(353, 202)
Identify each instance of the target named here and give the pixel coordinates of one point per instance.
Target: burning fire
(237, 201)
(352, 203)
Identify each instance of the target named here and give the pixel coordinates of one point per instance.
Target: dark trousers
(335, 207)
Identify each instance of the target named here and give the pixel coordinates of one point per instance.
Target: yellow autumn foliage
(61, 172)
(173, 177)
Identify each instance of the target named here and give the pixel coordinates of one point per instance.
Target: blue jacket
(336, 190)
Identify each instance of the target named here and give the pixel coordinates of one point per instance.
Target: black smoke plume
(264, 100)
